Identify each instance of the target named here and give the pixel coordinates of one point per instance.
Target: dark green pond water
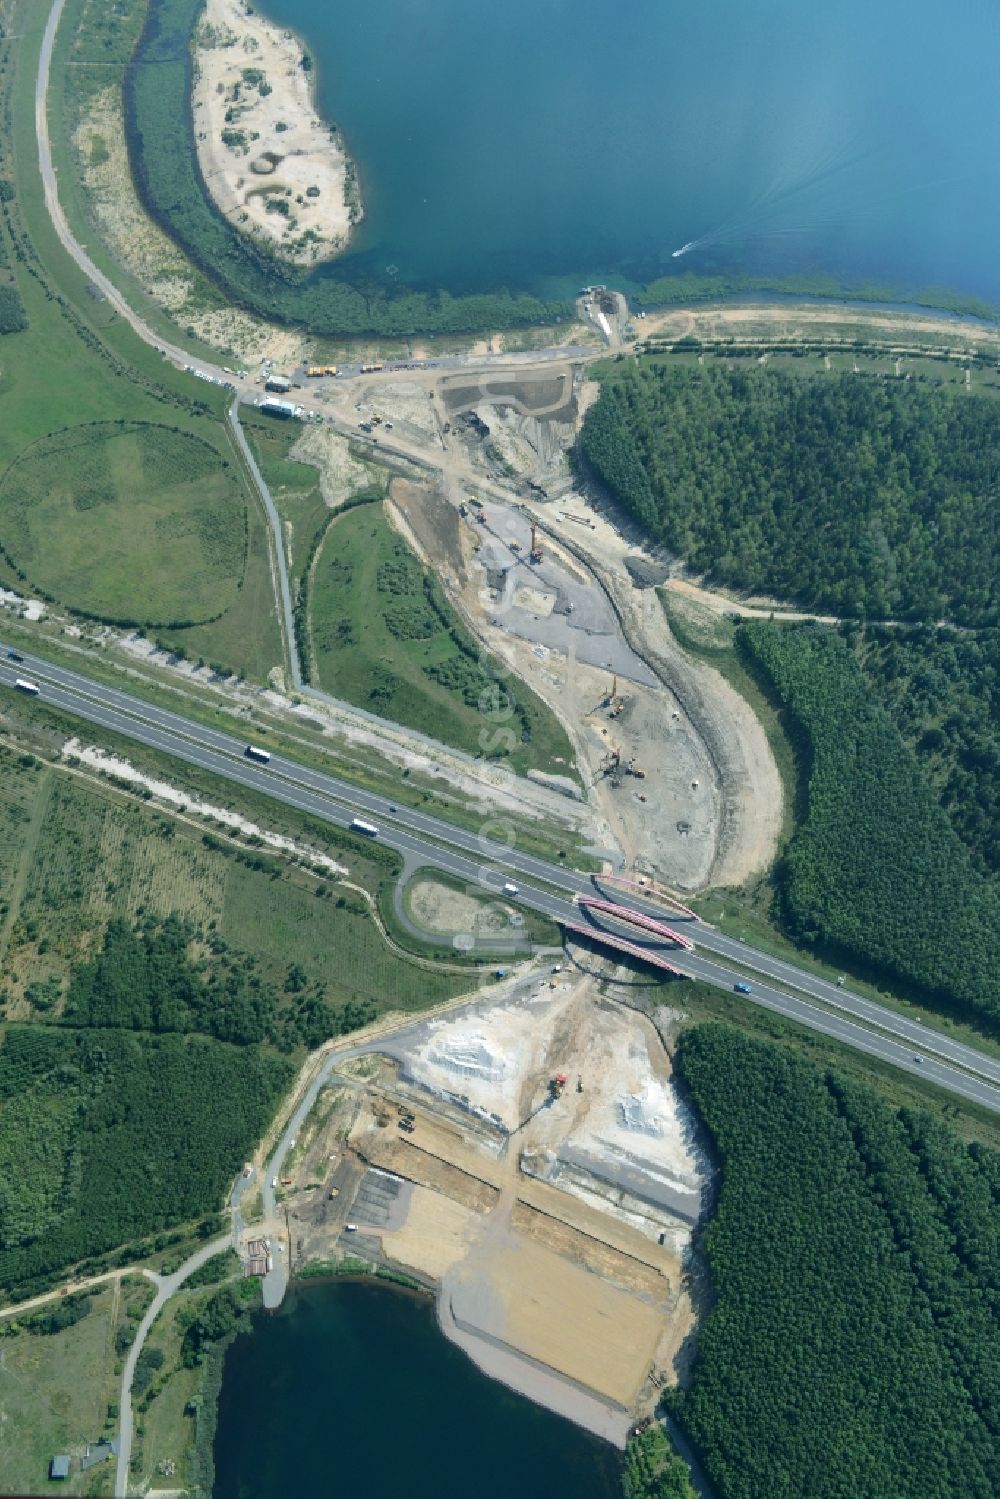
(352, 1390)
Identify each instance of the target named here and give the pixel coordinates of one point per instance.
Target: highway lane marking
(326, 805)
(869, 1041)
(324, 784)
(923, 1037)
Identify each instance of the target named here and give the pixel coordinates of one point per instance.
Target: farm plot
(129, 521)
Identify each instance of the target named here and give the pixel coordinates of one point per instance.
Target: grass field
(95, 853)
(813, 356)
(165, 1430)
(54, 1394)
(128, 521)
(384, 638)
(295, 487)
(80, 359)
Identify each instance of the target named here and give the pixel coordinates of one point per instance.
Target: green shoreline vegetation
(166, 172)
(158, 110)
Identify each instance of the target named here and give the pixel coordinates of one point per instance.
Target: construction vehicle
(613, 702)
(316, 371)
(557, 1085)
(463, 510)
(407, 1126)
(579, 1085)
(515, 546)
(370, 369)
(633, 769)
(536, 551)
(612, 767)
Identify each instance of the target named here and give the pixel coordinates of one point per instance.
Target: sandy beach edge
(272, 165)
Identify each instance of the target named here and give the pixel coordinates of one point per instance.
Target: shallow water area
(539, 146)
(352, 1388)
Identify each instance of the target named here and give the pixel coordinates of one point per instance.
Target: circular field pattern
(127, 521)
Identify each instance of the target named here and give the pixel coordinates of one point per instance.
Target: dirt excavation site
(528, 1158)
(678, 777)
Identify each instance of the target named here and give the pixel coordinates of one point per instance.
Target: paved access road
(549, 888)
(166, 1285)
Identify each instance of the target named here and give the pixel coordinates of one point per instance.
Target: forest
(106, 1136)
(876, 873)
(652, 1470)
(850, 495)
(144, 979)
(852, 1346)
(941, 688)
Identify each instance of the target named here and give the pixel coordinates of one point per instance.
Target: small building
(286, 409)
(98, 1452)
(59, 1467)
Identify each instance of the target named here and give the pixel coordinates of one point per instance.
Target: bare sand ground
(436, 1235)
(554, 1391)
(535, 1301)
(274, 168)
(145, 252)
(710, 808)
(439, 908)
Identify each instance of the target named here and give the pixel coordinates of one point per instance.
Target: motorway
(548, 888)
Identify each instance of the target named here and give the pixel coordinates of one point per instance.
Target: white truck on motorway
(510, 888)
(358, 825)
(252, 752)
(26, 686)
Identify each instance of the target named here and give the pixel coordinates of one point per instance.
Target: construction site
(678, 777)
(527, 1158)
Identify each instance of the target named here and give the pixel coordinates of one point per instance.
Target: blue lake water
(542, 142)
(351, 1389)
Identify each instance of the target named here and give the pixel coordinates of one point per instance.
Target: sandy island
(275, 169)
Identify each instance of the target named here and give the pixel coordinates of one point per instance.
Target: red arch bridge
(635, 918)
(646, 954)
(627, 917)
